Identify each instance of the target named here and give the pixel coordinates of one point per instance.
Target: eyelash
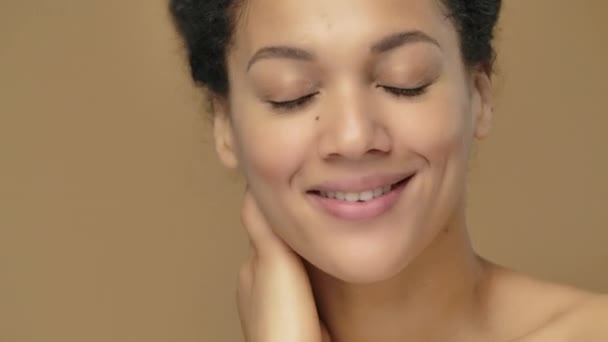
(405, 92)
(292, 104)
(302, 101)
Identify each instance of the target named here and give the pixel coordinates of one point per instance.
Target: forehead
(336, 24)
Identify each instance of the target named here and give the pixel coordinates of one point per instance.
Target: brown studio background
(118, 224)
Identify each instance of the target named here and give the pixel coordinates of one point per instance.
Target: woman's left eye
(292, 104)
(405, 92)
(304, 100)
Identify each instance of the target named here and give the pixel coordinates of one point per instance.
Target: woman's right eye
(292, 104)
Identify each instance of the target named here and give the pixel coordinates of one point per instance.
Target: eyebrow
(385, 44)
(280, 52)
(399, 39)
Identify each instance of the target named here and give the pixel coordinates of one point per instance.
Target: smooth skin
(328, 92)
(275, 298)
(276, 302)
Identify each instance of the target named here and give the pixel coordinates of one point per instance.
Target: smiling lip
(360, 184)
(360, 210)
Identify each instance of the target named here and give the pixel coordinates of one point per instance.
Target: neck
(437, 297)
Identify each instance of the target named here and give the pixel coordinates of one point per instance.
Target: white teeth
(357, 196)
(366, 196)
(352, 197)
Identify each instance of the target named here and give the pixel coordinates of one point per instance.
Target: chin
(366, 273)
(366, 263)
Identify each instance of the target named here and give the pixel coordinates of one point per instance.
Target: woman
(352, 123)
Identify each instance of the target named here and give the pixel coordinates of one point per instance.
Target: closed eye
(292, 104)
(405, 92)
(304, 100)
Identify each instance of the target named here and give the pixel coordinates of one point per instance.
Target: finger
(325, 337)
(244, 290)
(263, 239)
(245, 279)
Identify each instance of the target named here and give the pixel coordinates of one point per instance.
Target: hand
(274, 294)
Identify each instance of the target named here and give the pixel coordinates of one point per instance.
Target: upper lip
(361, 183)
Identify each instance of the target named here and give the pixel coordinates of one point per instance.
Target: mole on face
(317, 118)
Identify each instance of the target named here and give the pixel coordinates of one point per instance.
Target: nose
(351, 128)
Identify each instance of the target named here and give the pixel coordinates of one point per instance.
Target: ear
(483, 104)
(223, 133)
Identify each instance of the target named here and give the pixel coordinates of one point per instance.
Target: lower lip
(360, 210)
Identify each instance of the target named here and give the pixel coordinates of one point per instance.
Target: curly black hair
(207, 26)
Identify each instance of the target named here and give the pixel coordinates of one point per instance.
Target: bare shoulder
(542, 311)
(585, 322)
(590, 320)
(584, 319)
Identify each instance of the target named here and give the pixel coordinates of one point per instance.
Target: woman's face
(352, 121)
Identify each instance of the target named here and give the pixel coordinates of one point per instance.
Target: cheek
(443, 123)
(435, 131)
(273, 150)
